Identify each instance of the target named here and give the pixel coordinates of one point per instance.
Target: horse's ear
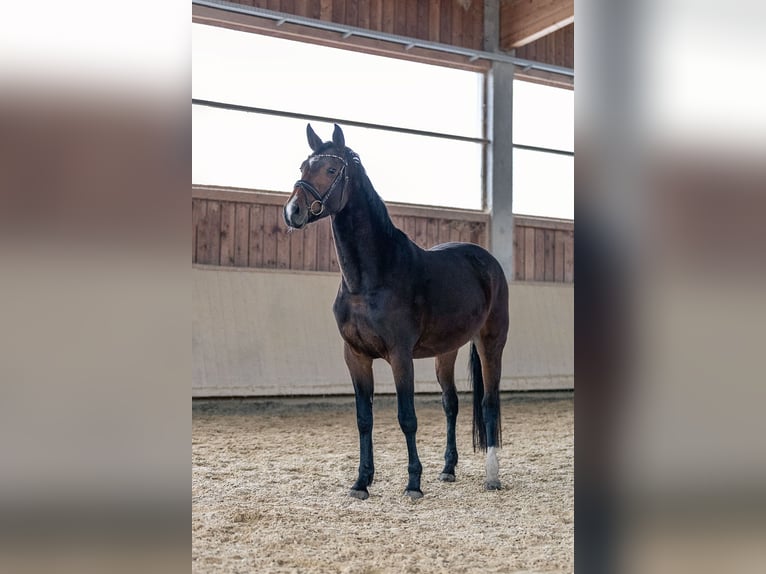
(314, 141)
(337, 137)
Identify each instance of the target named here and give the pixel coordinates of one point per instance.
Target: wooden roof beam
(524, 21)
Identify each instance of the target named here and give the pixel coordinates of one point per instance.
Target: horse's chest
(362, 323)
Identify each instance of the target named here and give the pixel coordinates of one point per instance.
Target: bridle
(317, 206)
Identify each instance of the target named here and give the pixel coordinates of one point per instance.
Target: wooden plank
(270, 231)
(422, 19)
(457, 24)
(310, 248)
(409, 227)
(352, 12)
(376, 15)
(363, 14)
(324, 245)
(469, 15)
(196, 209)
(325, 10)
(266, 26)
(400, 18)
(454, 230)
(437, 212)
(569, 257)
(315, 9)
(287, 6)
(241, 234)
(478, 26)
(339, 11)
(239, 195)
(283, 241)
(529, 253)
(255, 247)
(544, 222)
(568, 43)
(465, 232)
(444, 230)
(389, 16)
(522, 21)
(398, 221)
(434, 15)
(333, 256)
(558, 266)
(203, 234)
(476, 233)
(421, 232)
(228, 229)
(445, 21)
(549, 235)
(295, 240)
(432, 232)
(518, 253)
(539, 255)
(213, 223)
(300, 8)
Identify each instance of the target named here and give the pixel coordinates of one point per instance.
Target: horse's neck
(364, 239)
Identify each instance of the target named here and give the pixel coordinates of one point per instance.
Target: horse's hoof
(413, 494)
(360, 494)
(492, 485)
(446, 477)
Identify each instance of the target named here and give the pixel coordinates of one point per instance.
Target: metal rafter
(282, 18)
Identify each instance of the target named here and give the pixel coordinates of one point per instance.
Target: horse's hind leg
(490, 406)
(445, 374)
(490, 348)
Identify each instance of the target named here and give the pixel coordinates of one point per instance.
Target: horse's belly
(445, 337)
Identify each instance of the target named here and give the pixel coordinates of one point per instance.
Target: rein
(317, 206)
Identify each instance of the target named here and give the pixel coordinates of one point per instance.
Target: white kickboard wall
(270, 333)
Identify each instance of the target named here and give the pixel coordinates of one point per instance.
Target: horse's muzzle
(294, 215)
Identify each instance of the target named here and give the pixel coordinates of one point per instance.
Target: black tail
(477, 380)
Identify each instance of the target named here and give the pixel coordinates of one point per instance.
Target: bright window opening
(543, 178)
(261, 151)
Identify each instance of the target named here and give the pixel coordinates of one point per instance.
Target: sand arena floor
(270, 479)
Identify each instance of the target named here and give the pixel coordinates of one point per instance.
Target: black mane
(379, 209)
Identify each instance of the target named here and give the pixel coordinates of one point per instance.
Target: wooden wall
(456, 22)
(543, 249)
(557, 49)
(236, 228)
(245, 229)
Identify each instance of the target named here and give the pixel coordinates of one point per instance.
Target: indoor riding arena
(460, 112)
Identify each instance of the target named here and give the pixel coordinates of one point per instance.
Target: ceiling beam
(524, 21)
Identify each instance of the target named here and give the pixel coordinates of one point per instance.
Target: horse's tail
(477, 381)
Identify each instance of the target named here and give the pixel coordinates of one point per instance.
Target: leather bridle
(317, 206)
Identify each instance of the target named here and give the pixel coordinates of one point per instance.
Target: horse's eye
(332, 171)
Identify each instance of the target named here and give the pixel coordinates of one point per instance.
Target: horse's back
(453, 257)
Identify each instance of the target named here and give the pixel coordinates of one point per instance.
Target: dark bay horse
(398, 302)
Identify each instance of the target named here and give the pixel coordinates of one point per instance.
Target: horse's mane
(358, 173)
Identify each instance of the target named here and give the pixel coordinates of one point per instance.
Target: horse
(399, 302)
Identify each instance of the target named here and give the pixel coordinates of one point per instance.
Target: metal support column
(500, 163)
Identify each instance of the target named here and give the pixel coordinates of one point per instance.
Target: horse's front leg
(404, 378)
(360, 368)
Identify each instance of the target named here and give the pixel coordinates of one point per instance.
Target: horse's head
(322, 188)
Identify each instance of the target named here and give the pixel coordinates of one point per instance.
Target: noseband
(317, 206)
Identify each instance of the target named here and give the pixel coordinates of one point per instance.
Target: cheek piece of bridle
(317, 206)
